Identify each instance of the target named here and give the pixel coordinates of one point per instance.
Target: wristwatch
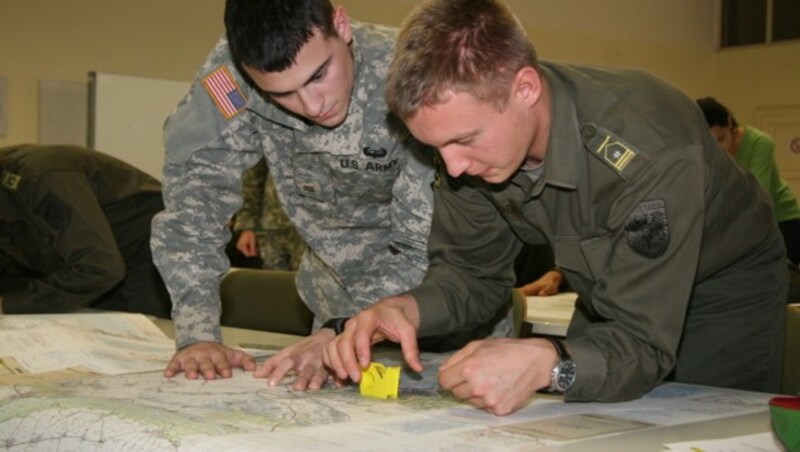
(563, 374)
(336, 324)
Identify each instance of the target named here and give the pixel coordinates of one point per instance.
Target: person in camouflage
(298, 83)
(263, 227)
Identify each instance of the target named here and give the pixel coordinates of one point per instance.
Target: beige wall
(755, 77)
(63, 40)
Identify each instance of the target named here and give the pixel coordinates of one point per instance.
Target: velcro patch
(647, 229)
(438, 169)
(10, 181)
(53, 211)
(225, 92)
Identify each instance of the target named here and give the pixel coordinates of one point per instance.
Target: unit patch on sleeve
(225, 92)
(647, 229)
(53, 211)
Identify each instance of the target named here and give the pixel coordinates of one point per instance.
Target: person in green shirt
(755, 150)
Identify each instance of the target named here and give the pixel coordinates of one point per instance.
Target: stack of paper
(56, 346)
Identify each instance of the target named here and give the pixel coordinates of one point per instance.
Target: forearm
(42, 298)
(624, 337)
(471, 270)
(188, 242)
(192, 274)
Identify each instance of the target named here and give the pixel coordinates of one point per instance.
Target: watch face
(566, 375)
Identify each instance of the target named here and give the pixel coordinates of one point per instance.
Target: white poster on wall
(63, 112)
(126, 117)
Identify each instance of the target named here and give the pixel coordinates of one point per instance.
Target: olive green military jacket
(639, 204)
(55, 203)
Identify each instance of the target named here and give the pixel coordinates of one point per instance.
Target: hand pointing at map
(394, 318)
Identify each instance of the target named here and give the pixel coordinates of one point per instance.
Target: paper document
(64, 345)
(759, 442)
(551, 308)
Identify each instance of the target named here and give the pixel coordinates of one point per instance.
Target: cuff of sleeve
(590, 372)
(243, 224)
(17, 302)
(433, 313)
(185, 337)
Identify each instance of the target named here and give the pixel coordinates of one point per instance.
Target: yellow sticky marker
(379, 381)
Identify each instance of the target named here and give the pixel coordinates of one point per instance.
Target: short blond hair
(474, 46)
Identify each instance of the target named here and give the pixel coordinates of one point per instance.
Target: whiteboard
(127, 114)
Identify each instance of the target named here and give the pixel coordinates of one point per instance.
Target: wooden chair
(790, 383)
(265, 300)
(520, 308)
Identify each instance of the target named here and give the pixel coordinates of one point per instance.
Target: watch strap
(336, 324)
(563, 354)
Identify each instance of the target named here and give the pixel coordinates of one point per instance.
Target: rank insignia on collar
(225, 92)
(615, 153)
(437, 170)
(10, 181)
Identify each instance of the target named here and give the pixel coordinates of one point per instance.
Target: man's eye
(319, 75)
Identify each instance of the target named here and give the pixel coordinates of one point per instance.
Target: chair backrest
(790, 383)
(520, 306)
(265, 300)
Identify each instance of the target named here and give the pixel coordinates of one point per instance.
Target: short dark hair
(474, 46)
(716, 114)
(266, 35)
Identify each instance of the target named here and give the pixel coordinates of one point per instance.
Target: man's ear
(342, 24)
(528, 86)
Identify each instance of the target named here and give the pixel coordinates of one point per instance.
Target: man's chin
(332, 122)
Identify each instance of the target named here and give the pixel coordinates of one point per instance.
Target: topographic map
(88, 382)
(147, 412)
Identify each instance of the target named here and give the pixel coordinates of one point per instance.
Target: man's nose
(455, 164)
(311, 101)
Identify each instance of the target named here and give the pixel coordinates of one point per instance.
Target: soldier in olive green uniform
(672, 248)
(349, 176)
(264, 226)
(75, 231)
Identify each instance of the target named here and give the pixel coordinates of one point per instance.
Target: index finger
(408, 343)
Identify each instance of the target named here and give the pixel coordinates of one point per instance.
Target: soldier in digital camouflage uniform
(353, 181)
(263, 225)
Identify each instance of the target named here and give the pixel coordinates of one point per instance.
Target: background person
(263, 227)
(755, 150)
(75, 232)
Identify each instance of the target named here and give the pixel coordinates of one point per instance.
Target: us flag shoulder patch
(225, 92)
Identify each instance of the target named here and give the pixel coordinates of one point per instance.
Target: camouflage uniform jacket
(261, 210)
(358, 194)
